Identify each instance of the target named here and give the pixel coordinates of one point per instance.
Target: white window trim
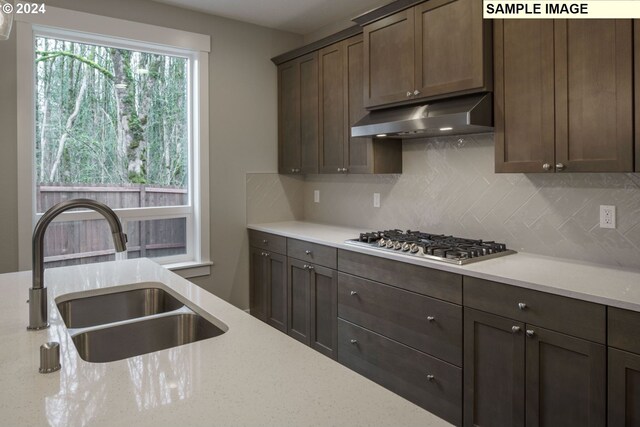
(131, 35)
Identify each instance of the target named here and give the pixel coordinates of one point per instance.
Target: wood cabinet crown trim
(317, 45)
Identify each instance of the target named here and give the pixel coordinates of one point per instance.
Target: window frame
(93, 29)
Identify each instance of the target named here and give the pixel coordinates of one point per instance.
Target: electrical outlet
(607, 216)
(316, 196)
(376, 200)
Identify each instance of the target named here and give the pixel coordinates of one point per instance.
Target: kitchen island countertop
(616, 287)
(252, 375)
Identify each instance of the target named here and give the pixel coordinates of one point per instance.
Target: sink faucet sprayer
(38, 316)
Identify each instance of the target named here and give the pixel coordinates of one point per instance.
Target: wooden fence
(83, 242)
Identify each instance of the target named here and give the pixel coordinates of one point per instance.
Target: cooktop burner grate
(440, 247)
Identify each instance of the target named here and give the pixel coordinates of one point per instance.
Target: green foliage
(95, 150)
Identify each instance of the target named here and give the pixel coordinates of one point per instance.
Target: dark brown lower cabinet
(624, 389)
(257, 284)
(313, 305)
(565, 380)
(424, 380)
(522, 375)
(494, 370)
(268, 287)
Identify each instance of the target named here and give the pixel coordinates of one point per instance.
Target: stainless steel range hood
(455, 116)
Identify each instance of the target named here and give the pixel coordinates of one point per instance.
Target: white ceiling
(297, 16)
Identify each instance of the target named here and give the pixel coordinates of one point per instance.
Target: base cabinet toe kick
(471, 351)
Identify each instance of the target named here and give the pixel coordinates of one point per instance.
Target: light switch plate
(607, 216)
(376, 200)
(316, 196)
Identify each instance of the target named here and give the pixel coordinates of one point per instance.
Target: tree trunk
(68, 127)
(130, 128)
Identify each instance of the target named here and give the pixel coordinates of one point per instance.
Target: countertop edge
(472, 270)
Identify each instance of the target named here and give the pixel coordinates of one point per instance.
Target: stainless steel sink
(143, 336)
(115, 307)
(123, 324)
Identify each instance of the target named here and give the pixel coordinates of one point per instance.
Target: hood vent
(455, 116)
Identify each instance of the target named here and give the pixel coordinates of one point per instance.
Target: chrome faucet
(38, 316)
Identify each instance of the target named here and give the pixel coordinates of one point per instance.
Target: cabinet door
(594, 95)
(624, 389)
(257, 283)
(363, 155)
(389, 59)
(299, 301)
(494, 369)
(324, 311)
(276, 302)
(309, 113)
(332, 118)
(453, 47)
(524, 95)
(566, 380)
(289, 117)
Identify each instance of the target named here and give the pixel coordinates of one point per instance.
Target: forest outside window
(117, 121)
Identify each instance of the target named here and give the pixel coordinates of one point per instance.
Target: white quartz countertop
(590, 282)
(252, 375)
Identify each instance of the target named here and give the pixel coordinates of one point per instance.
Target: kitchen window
(114, 111)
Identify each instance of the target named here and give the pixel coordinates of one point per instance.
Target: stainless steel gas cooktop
(439, 247)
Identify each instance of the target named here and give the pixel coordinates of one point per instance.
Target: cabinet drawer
(312, 252)
(574, 317)
(403, 370)
(426, 324)
(267, 241)
(422, 280)
(624, 329)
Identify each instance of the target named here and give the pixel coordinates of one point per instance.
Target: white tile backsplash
(449, 186)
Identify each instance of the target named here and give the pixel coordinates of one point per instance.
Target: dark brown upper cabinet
(437, 48)
(298, 115)
(563, 95)
(341, 106)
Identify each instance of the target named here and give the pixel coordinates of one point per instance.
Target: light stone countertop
(252, 375)
(590, 282)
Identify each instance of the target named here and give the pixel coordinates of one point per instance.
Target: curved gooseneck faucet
(38, 316)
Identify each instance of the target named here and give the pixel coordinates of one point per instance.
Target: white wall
(243, 127)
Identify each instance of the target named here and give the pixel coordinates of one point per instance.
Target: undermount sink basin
(115, 307)
(133, 322)
(143, 336)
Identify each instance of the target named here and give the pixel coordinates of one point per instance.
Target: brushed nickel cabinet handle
(431, 377)
(308, 252)
(530, 332)
(354, 342)
(354, 293)
(560, 167)
(546, 167)
(416, 92)
(431, 318)
(515, 329)
(408, 93)
(522, 306)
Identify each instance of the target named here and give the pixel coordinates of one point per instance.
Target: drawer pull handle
(354, 293)
(308, 267)
(515, 329)
(354, 342)
(265, 241)
(530, 332)
(431, 318)
(522, 305)
(307, 252)
(431, 377)
(266, 254)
